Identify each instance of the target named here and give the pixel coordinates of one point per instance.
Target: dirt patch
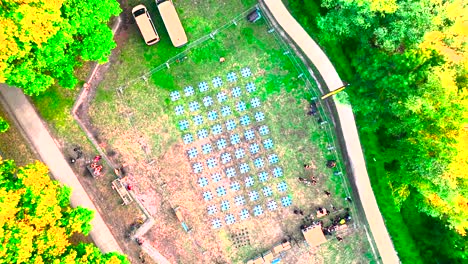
(21, 153)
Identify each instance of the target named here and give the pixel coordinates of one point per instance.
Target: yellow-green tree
(37, 221)
(43, 41)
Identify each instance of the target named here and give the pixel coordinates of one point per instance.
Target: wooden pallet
(122, 191)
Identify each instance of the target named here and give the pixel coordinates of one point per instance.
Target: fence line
(346, 127)
(185, 52)
(323, 113)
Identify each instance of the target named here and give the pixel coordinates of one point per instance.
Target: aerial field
(219, 132)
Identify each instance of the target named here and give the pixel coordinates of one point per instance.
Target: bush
(3, 125)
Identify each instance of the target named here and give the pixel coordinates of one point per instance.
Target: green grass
(55, 105)
(142, 113)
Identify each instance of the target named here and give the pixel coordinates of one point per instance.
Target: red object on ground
(97, 158)
(129, 187)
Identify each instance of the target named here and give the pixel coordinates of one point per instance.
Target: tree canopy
(43, 41)
(37, 221)
(406, 62)
(410, 89)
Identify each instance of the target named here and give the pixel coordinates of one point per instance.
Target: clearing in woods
(224, 143)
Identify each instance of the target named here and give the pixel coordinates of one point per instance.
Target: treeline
(42, 42)
(37, 221)
(407, 65)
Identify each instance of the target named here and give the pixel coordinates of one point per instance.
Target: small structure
(94, 167)
(321, 212)
(181, 219)
(313, 108)
(122, 191)
(254, 16)
(331, 163)
(268, 256)
(286, 245)
(340, 227)
(281, 247)
(272, 256)
(258, 260)
(314, 235)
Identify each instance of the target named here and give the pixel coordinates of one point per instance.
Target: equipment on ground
(254, 16)
(122, 191)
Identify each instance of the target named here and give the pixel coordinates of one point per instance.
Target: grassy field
(141, 126)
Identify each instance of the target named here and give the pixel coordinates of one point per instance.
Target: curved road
(347, 124)
(30, 122)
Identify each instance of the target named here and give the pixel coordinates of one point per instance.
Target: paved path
(305, 43)
(347, 124)
(30, 122)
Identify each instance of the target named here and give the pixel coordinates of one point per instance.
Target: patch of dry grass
(21, 153)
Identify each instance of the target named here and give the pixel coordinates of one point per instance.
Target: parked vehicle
(145, 24)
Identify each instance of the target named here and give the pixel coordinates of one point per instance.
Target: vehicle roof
(138, 7)
(173, 25)
(144, 24)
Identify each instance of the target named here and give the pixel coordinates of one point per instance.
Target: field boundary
(81, 105)
(343, 118)
(180, 56)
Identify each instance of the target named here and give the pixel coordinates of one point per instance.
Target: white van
(172, 22)
(144, 22)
